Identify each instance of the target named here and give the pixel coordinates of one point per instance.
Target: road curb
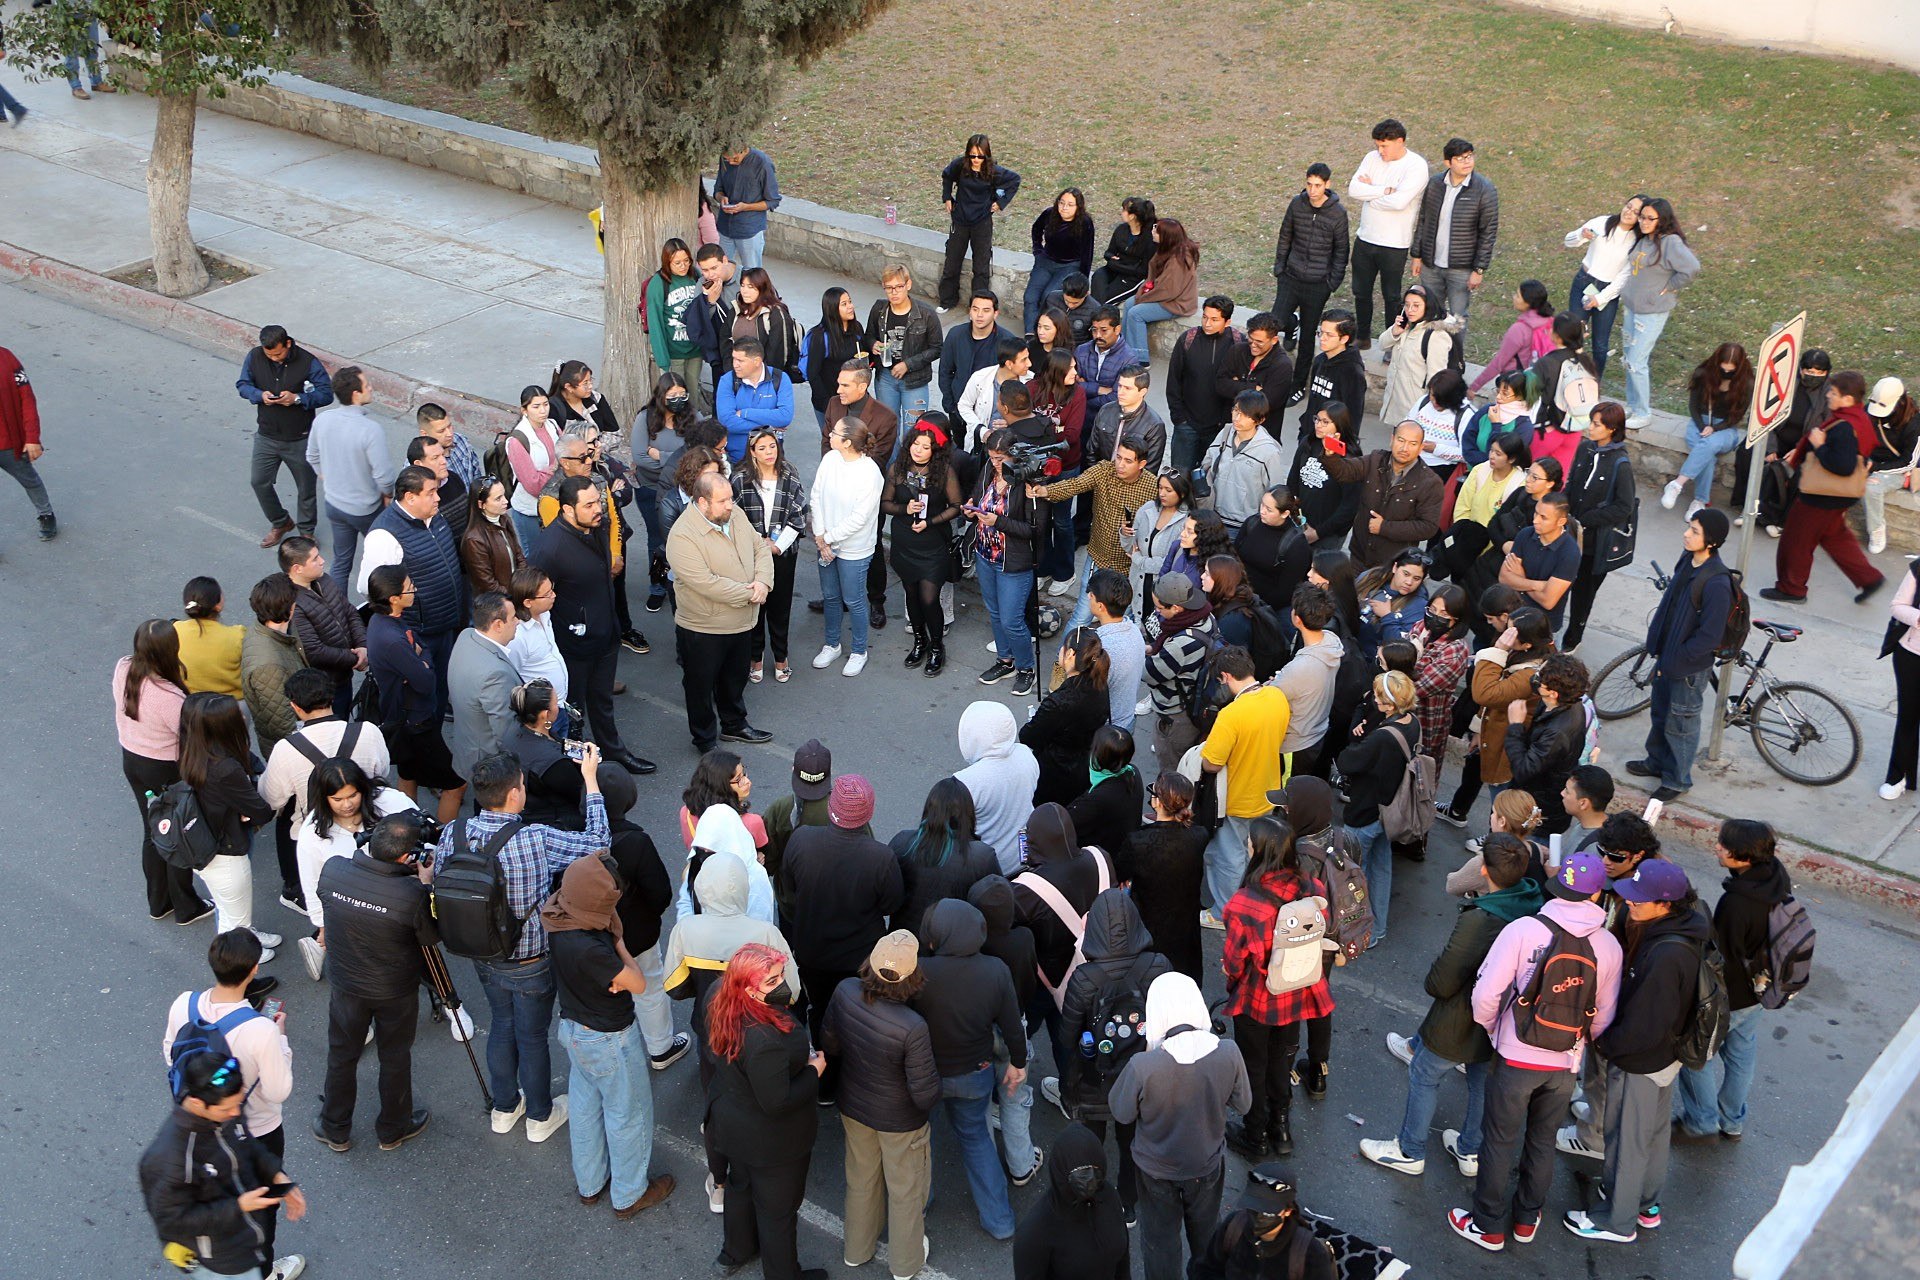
(222, 335)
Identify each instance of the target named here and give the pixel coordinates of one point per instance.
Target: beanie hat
(1714, 524)
(851, 805)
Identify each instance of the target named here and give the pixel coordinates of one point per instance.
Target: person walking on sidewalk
(10, 106)
(1684, 638)
(973, 188)
(287, 384)
(20, 445)
(1829, 460)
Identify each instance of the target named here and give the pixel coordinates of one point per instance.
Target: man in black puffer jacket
(1309, 262)
(1545, 752)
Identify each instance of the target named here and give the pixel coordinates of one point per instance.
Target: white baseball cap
(1886, 394)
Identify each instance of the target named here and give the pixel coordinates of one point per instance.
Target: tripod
(440, 983)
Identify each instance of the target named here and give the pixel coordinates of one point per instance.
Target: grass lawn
(1797, 178)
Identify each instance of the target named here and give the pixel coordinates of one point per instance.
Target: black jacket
(1117, 948)
(1658, 990)
(922, 344)
(1475, 225)
(762, 1108)
(1313, 245)
(961, 356)
(1740, 924)
(328, 627)
(1107, 814)
(1163, 864)
(1409, 505)
(1449, 1028)
(1236, 1252)
(1327, 505)
(1342, 378)
(1688, 623)
(1373, 767)
(1061, 735)
(1063, 1237)
(926, 883)
(1543, 753)
(1006, 941)
(648, 893)
(1277, 560)
(1055, 855)
(1193, 378)
(585, 623)
(1109, 427)
(556, 789)
(1272, 377)
(1600, 496)
(231, 804)
(887, 1077)
(377, 917)
(192, 1176)
(1022, 524)
(843, 886)
(1127, 258)
(967, 995)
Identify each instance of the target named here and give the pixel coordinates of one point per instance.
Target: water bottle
(1553, 852)
(1086, 1044)
(890, 211)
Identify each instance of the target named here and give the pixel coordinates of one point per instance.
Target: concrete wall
(1877, 30)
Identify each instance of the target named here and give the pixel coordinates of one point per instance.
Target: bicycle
(1801, 731)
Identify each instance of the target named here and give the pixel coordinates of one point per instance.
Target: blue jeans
(1600, 323)
(15, 464)
(90, 52)
(1673, 736)
(905, 401)
(348, 529)
(10, 105)
(1376, 861)
(1700, 1107)
(518, 1061)
(1135, 319)
(528, 527)
(1005, 595)
(610, 1110)
(1083, 604)
(964, 1099)
(745, 253)
(1056, 554)
(1638, 334)
(1046, 276)
(1704, 448)
(843, 586)
(1226, 858)
(1424, 1075)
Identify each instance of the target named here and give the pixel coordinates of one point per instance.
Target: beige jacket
(714, 571)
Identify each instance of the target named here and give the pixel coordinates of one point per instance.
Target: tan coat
(714, 571)
(1497, 682)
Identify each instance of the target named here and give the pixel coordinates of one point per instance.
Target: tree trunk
(635, 223)
(177, 268)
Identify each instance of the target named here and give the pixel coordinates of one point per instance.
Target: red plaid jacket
(1249, 919)
(1437, 678)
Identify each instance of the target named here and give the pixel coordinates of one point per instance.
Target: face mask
(1263, 1225)
(781, 997)
(1084, 1183)
(677, 405)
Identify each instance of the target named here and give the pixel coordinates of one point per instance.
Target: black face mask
(1084, 1183)
(1263, 1225)
(781, 997)
(677, 405)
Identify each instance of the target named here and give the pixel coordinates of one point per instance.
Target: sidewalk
(477, 290)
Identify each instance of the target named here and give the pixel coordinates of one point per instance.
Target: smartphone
(272, 1006)
(576, 750)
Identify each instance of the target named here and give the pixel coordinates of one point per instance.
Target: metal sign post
(1776, 377)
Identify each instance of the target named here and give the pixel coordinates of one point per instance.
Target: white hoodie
(1001, 774)
(721, 831)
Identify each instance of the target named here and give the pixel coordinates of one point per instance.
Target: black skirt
(926, 556)
(420, 755)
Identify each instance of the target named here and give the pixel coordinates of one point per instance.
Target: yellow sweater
(210, 652)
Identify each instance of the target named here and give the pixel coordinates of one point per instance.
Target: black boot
(936, 660)
(1245, 1142)
(1313, 1077)
(1280, 1135)
(917, 654)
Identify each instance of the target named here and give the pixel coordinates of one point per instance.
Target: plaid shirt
(531, 860)
(1437, 678)
(1114, 500)
(1249, 945)
(465, 462)
(789, 502)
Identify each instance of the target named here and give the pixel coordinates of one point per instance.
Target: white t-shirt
(266, 1059)
(1389, 220)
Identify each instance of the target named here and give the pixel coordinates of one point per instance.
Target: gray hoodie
(1001, 774)
(1657, 270)
(1177, 1092)
(1308, 682)
(702, 944)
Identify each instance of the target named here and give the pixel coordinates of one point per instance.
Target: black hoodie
(1164, 863)
(1740, 924)
(1658, 988)
(1054, 854)
(967, 995)
(1064, 1237)
(926, 883)
(1119, 955)
(1343, 378)
(1006, 940)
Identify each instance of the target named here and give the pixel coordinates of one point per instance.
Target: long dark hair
(1454, 596)
(1174, 243)
(1141, 208)
(1341, 570)
(946, 823)
(1230, 584)
(156, 656)
(1535, 295)
(1090, 661)
(210, 726)
(767, 297)
(201, 598)
(1274, 852)
(1342, 419)
(711, 784)
(673, 246)
(1080, 218)
(1666, 223)
(1210, 536)
(565, 374)
(1049, 384)
(1535, 631)
(657, 406)
(989, 171)
(902, 464)
(334, 775)
(1062, 331)
(1432, 299)
(1613, 219)
(830, 313)
(1707, 377)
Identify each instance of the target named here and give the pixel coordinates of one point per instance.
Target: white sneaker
(1568, 1140)
(1671, 494)
(826, 657)
(1050, 1090)
(993, 648)
(1386, 1153)
(1892, 790)
(1400, 1047)
(267, 953)
(313, 955)
(1143, 707)
(541, 1130)
(287, 1268)
(926, 1251)
(1640, 423)
(1469, 1166)
(1582, 1110)
(1062, 589)
(716, 1196)
(268, 940)
(1773, 531)
(1877, 541)
(460, 1025)
(1739, 522)
(503, 1121)
(1695, 507)
(855, 664)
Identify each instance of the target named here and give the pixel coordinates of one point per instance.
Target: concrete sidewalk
(478, 290)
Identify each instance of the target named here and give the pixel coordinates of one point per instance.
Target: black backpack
(1739, 613)
(1119, 1024)
(494, 460)
(196, 1036)
(470, 897)
(180, 833)
(1782, 971)
(348, 741)
(1269, 645)
(1707, 1021)
(1555, 1010)
(1206, 694)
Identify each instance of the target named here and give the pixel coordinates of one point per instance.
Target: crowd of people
(1309, 638)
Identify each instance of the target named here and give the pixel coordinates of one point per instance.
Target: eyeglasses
(575, 457)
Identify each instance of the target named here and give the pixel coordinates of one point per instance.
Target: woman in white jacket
(1419, 343)
(1608, 241)
(721, 833)
(846, 521)
(341, 804)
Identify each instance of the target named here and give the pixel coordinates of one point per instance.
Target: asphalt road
(147, 462)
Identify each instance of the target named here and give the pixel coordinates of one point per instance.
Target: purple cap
(1654, 880)
(1581, 875)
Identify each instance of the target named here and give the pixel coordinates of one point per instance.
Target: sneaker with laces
(268, 940)
(268, 953)
(1208, 920)
(1039, 1160)
(1400, 1047)
(1473, 846)
(1892, 790)
(1386, 1153)
(1461, 1220)
(541, 1130)
(1567, 1139)
(1444, 812)
(313, 955)
(1649, 1219)
(999, 671)
(1023, 682)
(1469, 1165)
(1065, 587)
(716, 1196)
(673, 1053)
(503, 1121)
(856, 663)
(1670, 495)
(1587, 1227)
(288, 1267)
(1050, 1090)
(828, 655)
(460, 1025)
(1524, 1232)
(291, 901)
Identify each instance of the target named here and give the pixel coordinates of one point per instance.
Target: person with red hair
(761, 1111)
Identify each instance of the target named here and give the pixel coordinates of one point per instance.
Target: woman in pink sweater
(1529, 337)
(148, 690)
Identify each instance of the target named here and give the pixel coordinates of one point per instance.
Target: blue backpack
(197, 1036)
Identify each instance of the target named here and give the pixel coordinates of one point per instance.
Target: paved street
(147, 459)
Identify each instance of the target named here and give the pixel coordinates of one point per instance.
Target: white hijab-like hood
(1174, 1000)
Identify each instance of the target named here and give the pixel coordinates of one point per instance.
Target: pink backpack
(1075, 921)
(1542, 342)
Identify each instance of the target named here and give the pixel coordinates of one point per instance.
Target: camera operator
(1009, 523)
(378, 925)
(556, 791)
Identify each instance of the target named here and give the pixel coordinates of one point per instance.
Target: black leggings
(1269, 1052)
(1129, 1180)
(1901, 765)
(1586, 585)
(923, 611)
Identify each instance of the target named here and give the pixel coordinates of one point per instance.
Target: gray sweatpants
(1639, 1111)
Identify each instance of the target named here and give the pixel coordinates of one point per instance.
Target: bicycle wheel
(1805, 734)
(1624, 686)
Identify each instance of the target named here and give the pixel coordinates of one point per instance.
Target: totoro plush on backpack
(1300, 942)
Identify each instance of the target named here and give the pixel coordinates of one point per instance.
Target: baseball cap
(1654, 880)
(1886, 394)
(852, 804)
(1581, 875)
(895, 957)
(1174, 589)
(812, 770)
(1269, 1189)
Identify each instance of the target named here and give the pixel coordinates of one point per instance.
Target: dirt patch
(1903, 203)
(224, 271)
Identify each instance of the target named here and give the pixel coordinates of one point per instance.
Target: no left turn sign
(1776, 374)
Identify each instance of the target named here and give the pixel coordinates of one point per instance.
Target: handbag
(1816, 479)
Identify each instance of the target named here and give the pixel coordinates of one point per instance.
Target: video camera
(427, 837)
(1033, 463)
